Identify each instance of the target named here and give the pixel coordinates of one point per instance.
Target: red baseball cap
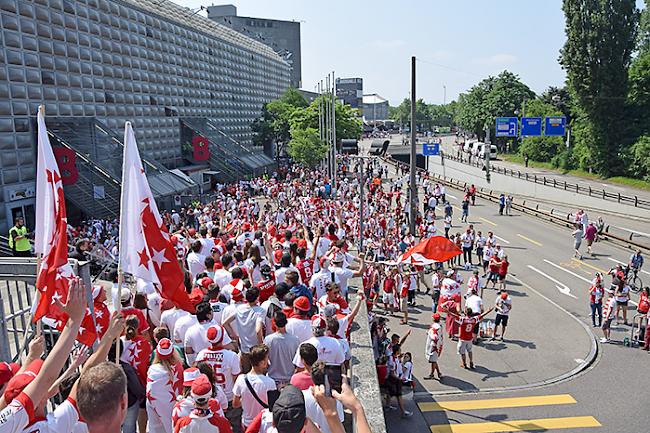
(201, 389)
(302, 303)
(436, 316)
(7, 371)
(206, 281)
(302, 243)
(18, 383)
(237, 295)
(191, 232)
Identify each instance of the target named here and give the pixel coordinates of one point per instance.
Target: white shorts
(464, 347)
(388, 298)
(433, 357)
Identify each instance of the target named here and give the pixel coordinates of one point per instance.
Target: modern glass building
(95, 64)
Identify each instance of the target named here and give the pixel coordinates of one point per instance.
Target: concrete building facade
(150, 62)
(350, 91)
(282, 36)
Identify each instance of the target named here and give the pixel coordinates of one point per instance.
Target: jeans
(131, 419)
(596, 308)
(467, 254)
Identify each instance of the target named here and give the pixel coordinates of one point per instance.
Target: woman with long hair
(164, 384)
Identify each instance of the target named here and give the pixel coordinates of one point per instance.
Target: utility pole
(320, 120)
(334, 164)
(487, 153)
(444, 97)
(327, 127)
(361, 200)
(414, 187)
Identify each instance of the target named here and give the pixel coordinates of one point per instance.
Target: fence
(17, 295)
(564, 185)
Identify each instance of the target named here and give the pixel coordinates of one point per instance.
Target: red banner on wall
(200, 148)
(66, 159)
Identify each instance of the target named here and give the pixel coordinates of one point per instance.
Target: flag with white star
(145, 247)
(51, 241)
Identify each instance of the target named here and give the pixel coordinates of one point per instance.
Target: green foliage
(273, 125)
(428, 116)
(600, 41)
(639, 76)
(306, 146)
(643, 38)
(541, 148)
(491, 98)
(640, 152)
(347, 123)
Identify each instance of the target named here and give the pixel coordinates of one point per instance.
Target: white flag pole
(120, 274)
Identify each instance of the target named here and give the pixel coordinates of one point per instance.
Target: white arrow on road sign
(562, 288)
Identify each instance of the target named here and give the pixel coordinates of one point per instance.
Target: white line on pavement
(623, 263)
(501, 239)
(561, 287)
(568, 271)
(452, 196)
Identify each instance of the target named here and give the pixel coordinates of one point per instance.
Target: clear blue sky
(375, 40)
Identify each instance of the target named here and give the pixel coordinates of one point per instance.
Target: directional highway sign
(531, 126)
(555, 126)
(430, 149)
(506, 127)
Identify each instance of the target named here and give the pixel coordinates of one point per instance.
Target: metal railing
(552, 182)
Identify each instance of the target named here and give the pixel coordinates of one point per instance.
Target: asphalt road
(605, 397)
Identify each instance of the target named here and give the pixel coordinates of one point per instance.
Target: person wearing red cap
(195, 260)
(503, 306)
(164, 384)
(299, 324)
(433, 346)
(225, 364)
(245, 235)
(185, 403)
(102, 314)
(7, 371)
(202, 419)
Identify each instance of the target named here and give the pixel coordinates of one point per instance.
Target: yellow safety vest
(21, 244)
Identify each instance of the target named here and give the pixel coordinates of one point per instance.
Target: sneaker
(604, 340)
(407, 414)
(391, 407)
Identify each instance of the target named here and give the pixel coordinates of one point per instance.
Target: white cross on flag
(51, 241)
(145, 248)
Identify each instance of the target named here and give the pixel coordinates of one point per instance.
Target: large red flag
(51, 240)
(145, 247)
(430, 250)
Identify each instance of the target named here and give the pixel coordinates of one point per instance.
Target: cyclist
(636, 262)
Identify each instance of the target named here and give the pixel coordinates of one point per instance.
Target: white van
(493, 151)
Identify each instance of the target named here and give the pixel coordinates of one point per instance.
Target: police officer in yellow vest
(18, 241)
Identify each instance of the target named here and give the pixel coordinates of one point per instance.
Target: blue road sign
(555, 126)
(506, 127)
(431, 149)
(531, 126)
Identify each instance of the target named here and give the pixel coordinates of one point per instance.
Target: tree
(560, 98)
(347, 123)
(600, 41)
(491, 98)
(643, 39)
(306, 146)
(273, 125)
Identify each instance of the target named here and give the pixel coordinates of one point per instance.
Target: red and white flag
(145, 247)
(51, 241)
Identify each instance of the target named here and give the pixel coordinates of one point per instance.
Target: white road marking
(579, 361)
(561, 287)
(501, 239)
(633, 231)
(623, 263)
(452, 196)
(568, 271)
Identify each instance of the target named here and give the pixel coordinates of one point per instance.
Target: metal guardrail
(563, 220)
(552, 182)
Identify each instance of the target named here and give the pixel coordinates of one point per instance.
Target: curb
(586, 364)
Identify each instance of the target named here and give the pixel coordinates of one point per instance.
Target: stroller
(637, 331)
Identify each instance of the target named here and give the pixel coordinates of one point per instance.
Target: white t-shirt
(217, 310)
(195, 263)
(466, 239)
(320, 280)
(261, 384)
(328, 348)
(62, 420)
(281, 272)
(17, 415)
(171, 316)
(181, 327)
(226, 366)
(207, 244)
(343, 274)
(222, 277)
(247, 319)
(315, 413)
(196, 338)
(299, 328)
(475, 303)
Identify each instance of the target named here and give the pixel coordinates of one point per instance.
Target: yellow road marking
(494, 403)
(530, 240)
(595, 268)
(487, 221)
(518, 425)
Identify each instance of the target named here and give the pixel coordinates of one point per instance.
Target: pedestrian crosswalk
(505, 425)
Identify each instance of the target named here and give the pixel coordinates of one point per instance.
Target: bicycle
(634, 282)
